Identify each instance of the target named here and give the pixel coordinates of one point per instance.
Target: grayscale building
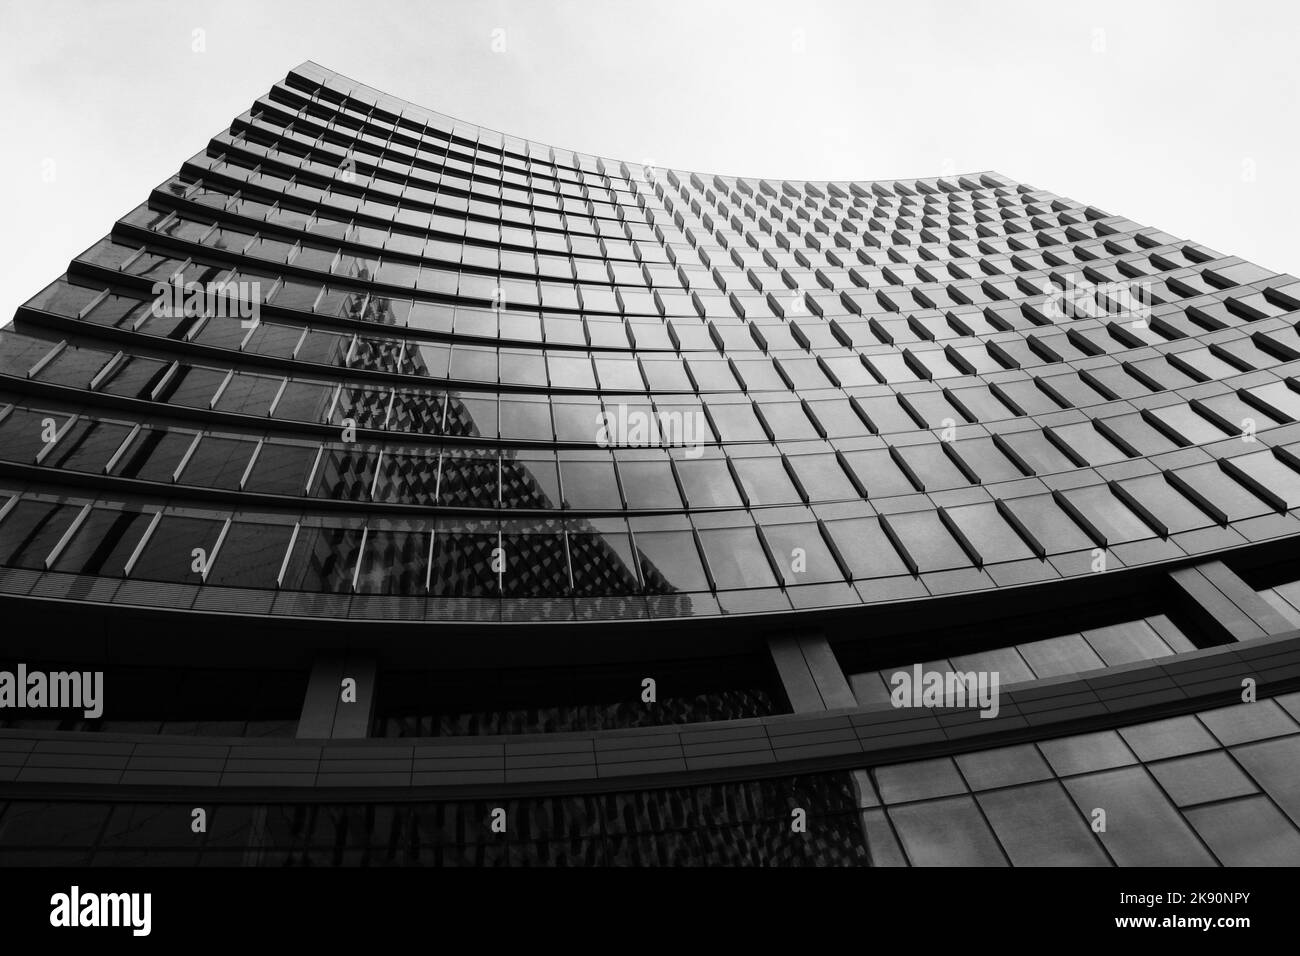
(426, 495)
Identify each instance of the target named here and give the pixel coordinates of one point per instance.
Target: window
(865, 548)
(602, 562)
(1156, 835)
(218, 463)
(1032, 450)
(985, 459)
(529, 480)
(736, 423)
(103, 543)
(574, 371)
(1181, 423)
(619, 375)
(346, 474)
(323, 559)
(988, 533)
(666, 374)
(1269, 477)
(22, 434)
(135, 377)
(416, 411)
(462, 563)
(521, 367)
(886, 415)
(30, 531)
(787, 421)
(928, 542)
(250, 555)
(670, 562)
(407, 477)
(75, 367)
(712, 374)
(1047, 525)
(1086, 442)
(648, 483)
(948, 832)
(536, 564)
(468, 479)
(1135, 432)
(1038, 826)
(736, 558)
(1162, 506)
(472, 364)
(821, 477)
(878, 474)
(932, 466)
(192, 386)
(707, 482)
(1217, 493)
(589, 483)
(282, 469)
(471, 414)
(363, 407)
(837, 418)
(154, 455)
(303, 402)
(393, 562)
(801, 554)
(168, 554)
(765, 481)
(934, 409)
(249, 394)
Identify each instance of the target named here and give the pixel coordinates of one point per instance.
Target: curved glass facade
(474, 395)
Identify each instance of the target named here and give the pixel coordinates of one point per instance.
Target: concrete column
(1226, 604)
(325, 712)
(810, 674)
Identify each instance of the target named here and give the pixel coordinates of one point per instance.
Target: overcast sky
(1180, 115)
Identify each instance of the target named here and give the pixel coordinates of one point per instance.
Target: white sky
(1180, 115)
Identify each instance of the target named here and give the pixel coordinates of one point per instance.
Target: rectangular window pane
(989, 533)
(801, 554)
(670, 562)
(104, 542)
(736, 558)
(865, 548)
(323, 560)
(462, 564)
(31, 530)
(218, 463)
(929, 543)
(393, 562)
(168, 555)
(251, 555)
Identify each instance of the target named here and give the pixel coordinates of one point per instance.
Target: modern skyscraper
(400, 491)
